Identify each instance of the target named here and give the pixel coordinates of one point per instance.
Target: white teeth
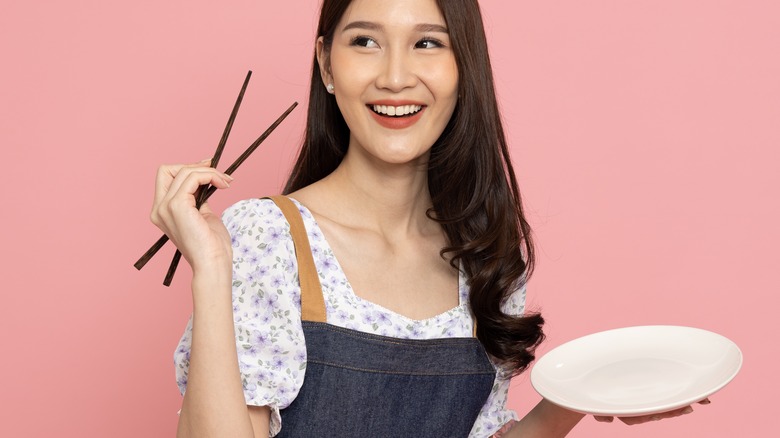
(396, 110)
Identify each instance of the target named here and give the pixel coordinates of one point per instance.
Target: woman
(406, 195)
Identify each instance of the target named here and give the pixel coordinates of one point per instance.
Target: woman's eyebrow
(368, 25)
(431, 28)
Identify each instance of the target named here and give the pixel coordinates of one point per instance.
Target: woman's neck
(391, 199)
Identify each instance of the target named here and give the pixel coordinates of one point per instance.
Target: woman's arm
(214, 403)
(546, 420)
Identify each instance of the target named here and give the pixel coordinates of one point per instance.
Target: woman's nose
(397, 71)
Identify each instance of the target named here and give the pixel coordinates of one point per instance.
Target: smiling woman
(384, 294)
(384, 62)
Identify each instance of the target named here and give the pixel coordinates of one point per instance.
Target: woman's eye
(428, 43)
(364, 41)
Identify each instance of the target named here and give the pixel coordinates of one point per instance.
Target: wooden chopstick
(205, 192)
(210, 191)
(214, 162)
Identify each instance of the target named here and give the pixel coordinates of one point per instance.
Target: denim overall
(364, 385)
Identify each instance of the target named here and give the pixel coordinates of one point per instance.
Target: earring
(330, 88)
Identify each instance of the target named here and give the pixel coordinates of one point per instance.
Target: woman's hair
(470, 178)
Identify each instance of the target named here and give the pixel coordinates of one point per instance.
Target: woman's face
(395, 77)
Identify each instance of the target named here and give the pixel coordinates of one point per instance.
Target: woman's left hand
(654, 417)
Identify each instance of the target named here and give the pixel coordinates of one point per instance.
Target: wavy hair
(470, 177)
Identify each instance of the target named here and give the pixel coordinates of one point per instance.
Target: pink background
(645, 135)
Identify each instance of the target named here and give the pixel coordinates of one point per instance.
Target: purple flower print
(252, 351)
(270, 301)
(368, 318)
(277, 363)
(256, 300)
(251, 277)
(182, 382)
(260, 339)
(276, 282)
(327, 264)
(382, 318)
(250, 390)
(244, 251)
(295, 297)
(315, 235)
(272, 235)
(342, 316)
(262, 375)
(288, 265)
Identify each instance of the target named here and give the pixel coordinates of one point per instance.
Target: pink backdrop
(645, 135)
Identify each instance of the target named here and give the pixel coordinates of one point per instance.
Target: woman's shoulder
(253, 209)
(256, 221)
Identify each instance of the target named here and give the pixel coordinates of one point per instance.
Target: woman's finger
(167, 173)
(180, 195)
(185, 170)
(656, 417)
(182, 191)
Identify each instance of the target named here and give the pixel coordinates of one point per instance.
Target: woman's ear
(323, 60)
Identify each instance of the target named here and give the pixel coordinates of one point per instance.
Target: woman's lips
(396, 122)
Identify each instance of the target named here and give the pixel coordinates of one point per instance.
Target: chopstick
(211, 189)
(206, 192)
(214, 162)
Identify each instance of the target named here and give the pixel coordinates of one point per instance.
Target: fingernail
(655, 418)
(706, 401)
(207, 160)
(687, 410)
(230, 178)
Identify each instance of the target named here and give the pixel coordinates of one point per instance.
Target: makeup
(396, 114)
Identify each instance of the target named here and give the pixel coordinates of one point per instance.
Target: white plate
(636, 371)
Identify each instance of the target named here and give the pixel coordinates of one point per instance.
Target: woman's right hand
(198, 233)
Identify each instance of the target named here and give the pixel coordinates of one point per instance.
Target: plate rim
(633, 412)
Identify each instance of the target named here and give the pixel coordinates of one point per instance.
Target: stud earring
(330, 88)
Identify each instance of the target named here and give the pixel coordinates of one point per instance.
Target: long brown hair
(470, 177)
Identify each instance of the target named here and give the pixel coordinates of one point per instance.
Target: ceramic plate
(636, 371)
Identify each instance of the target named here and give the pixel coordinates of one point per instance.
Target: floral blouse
(266, 310)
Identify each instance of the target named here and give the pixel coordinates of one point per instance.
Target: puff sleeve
(266, 309)
(495, 417)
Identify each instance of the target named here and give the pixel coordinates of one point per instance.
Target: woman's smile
(394, 77)
(396, 114)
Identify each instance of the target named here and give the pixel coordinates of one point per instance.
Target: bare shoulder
(322, 203)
